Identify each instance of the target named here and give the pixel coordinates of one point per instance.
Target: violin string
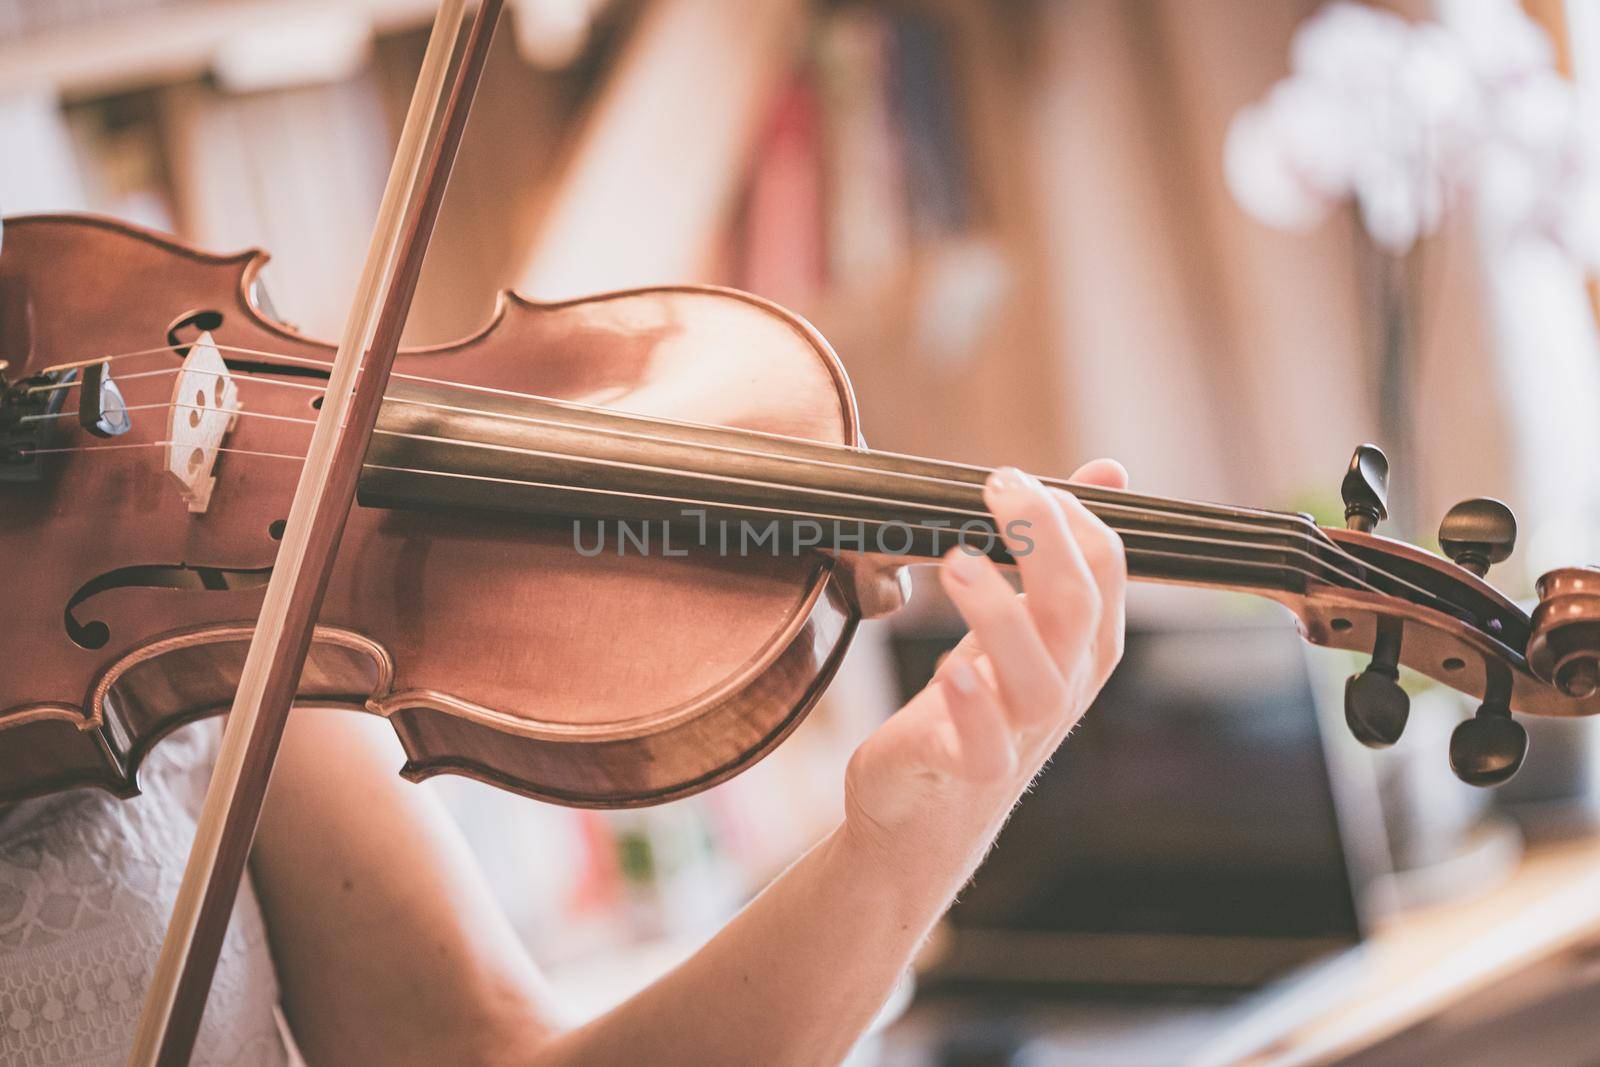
(794, 513)
(757, 483)
(165, 372)
(1337, 577)
(79, 364)
(611, 412)
(808, 461)
(158, 350)
(605, 461)
(1329, 568)
(1250, 514)
(121, 446)
(854, 453)
(167, 405)
(654, 468)
(1188, 555)
(658, 469)
(935, 531)
(976, 472)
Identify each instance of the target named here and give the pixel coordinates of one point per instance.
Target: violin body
(494, 648)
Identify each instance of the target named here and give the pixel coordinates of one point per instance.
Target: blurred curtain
(38, 171)
(297, 172)
(1217, 357)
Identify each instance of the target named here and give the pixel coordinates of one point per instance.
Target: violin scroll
(1564, 645)
(1459, 630)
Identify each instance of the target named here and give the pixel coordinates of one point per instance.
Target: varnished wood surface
(482, 622)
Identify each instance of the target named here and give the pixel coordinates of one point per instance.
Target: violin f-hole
(188, 328)
(93, 633)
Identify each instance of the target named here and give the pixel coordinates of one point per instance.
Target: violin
(603, 549)
(606, 552)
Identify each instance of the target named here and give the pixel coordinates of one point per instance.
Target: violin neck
(637, 484)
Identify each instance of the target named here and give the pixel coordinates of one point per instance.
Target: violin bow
(427, 148)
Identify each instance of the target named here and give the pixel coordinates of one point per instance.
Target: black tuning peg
(1488, 748)
(1375, 707)
(1366, 489)
(1478, 532)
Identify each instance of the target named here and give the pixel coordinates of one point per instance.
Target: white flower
(1502, 43)
(1349, 45)
(1265, 178)
(1396, 207)
(1318, 131)
(1536, 113)
(1408, 119)
(1579, 224)
(1435, 81)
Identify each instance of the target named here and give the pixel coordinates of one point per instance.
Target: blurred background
(1222, 240)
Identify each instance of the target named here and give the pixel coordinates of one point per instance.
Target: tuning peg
(1375, 707)
(1488, 748)
(1478, 532)
(1366, 489)
(1564, 642)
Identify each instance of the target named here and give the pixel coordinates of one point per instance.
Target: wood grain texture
(473, 633)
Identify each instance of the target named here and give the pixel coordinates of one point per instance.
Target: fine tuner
(1474, 534)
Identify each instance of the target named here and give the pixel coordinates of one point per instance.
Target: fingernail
(1008, 479)
(963, 565)
(962, 678)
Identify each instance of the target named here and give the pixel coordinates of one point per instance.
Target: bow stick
(323, 497)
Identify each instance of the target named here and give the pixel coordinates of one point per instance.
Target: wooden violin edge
(182, 678)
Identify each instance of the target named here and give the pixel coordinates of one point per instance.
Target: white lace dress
(86, 888)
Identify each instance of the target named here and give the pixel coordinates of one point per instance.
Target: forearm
(794, 979)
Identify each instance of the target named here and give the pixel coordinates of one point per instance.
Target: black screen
(1194, 798)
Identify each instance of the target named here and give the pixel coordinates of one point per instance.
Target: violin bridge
(205, 407)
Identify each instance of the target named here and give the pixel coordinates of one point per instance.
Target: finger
(1106, 473)
(968, 650)
(1030, 684)
(1062, 594)
(982, 732)
(1107, 561)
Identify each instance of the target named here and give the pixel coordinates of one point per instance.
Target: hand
(928, 791)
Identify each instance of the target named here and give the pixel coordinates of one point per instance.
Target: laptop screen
(1192, 807)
